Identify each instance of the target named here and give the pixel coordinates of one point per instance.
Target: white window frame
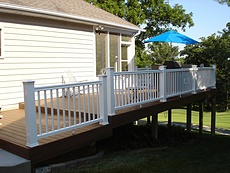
(2, 42)
(130, 53)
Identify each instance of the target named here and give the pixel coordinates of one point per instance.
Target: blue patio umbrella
(172, 37)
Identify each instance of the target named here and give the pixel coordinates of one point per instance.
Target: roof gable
(77, 8)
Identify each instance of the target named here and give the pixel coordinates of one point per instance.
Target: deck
(13, 128)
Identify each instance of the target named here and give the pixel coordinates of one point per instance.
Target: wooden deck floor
(13, 136)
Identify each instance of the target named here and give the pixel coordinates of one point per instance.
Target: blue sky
(208, 16)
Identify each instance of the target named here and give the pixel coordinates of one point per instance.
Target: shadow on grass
(133, 149)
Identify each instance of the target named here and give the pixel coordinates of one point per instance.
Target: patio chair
(69, 78)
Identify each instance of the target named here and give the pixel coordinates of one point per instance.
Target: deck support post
(169, 117)
(214, 75)
(163, 83)
(103, 100)
(194, 79)
(110, 90)
(154, 129)
(189, 117)
(30, 114)
(201, 109)
(148, 119)
(213, 116)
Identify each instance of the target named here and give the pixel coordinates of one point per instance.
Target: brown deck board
(13, 132)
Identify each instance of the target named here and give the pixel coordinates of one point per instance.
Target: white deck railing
(206, 77)
(69, 106)
(66, 107)
(138, 87)
(131, 88)
(178, 81)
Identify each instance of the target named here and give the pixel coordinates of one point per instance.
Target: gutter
(68, 16)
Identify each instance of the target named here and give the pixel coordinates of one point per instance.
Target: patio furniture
(69, 78)
(172, 64)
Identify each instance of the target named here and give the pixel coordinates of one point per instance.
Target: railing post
(147, 67)
(194, 77)
(214, 75)
(110, 90)
(103, 100)
(30, 114)
(163, 83)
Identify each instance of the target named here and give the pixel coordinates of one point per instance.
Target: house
(40, 40)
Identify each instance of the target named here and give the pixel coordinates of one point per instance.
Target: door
(112, 50)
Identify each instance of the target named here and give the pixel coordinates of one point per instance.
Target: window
(127, 38)
(124, 59)
(113, 50)
(114, 44)
(101, 54)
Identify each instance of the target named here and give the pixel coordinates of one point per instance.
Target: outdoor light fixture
(99, 28)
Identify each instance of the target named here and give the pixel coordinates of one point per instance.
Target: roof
(72, 9)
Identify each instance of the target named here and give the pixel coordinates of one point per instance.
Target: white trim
(94, 53)
(64, 15)
(129, 47)
(119, 68)
(107, 47)
(126, 43)
(2, 43)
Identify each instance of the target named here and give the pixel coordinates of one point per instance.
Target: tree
(155, 16)
(214, 49)
(116, 7)
(224, 2)
(161, 52)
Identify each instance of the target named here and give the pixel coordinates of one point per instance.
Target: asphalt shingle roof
(72, 7)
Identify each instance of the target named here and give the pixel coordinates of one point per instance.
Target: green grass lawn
(207, 154)
(203, 154)
(179, 115)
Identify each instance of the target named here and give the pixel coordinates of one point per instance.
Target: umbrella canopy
(172, 37)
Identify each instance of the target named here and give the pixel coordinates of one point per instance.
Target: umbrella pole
(171, 51)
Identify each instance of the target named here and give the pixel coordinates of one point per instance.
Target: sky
(208, 16)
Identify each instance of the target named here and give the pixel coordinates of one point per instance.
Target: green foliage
(160, 52)
(178, 115)
(214, 49)
(156, 54)
(155, 16)
(224, 2)
(116, 7)
(160, 17)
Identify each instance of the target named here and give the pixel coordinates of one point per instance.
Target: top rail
(58, 108)
(138, 87)
(61, 108)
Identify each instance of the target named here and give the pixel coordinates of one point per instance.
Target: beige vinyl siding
(41, 53)
(1, 38)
